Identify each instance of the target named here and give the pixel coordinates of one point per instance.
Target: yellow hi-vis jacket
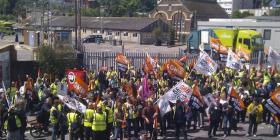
(88, 117)
(99, 122)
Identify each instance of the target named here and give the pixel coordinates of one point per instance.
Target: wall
(5, 67)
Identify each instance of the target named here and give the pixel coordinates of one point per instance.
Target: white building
(234, 5)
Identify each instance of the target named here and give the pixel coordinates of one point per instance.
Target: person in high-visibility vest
(119, 121)
(110, 118)
(54, 87)
(54, 112)
(13, 125)
(131, 115)
(99, 124)
(88, 116)
(73, 124)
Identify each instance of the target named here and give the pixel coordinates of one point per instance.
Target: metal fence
(95, 60)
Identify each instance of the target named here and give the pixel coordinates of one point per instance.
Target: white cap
(1, 90)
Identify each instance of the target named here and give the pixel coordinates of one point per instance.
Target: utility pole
(78, 25)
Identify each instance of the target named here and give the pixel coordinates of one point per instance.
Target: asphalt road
(264, 133)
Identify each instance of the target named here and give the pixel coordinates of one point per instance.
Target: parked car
(93, 39)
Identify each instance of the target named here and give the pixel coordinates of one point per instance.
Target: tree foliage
(54, 61)
(238, 14)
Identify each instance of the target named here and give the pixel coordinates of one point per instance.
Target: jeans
(117, 133)
(14, 135)
(227, 125)
(213, 126)
(128, 123)
(87, 131)
(180, 126)
(109, 130)
(54, 131)
(276, 128)
(252, 125)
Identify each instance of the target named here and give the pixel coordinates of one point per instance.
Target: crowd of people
(115, 111)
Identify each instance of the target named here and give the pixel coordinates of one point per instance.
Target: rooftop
(109, 23)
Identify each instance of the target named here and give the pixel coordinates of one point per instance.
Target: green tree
(157, 36)
(90, 12)
(238, 14)
(171, 36)
(55, 60)
(4, 4)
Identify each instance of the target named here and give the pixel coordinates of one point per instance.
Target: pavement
(264, 133)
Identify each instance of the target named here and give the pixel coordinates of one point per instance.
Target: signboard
(181, 92)
(233, 61)
(205, 64)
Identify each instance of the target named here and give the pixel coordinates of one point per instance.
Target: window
(84, 30)
(94, 31)
(240, 40)
(169, 7)
(246, 41)
(125, 34)
(117, 33)
(266, 34)
(109, 33)
(134, 35)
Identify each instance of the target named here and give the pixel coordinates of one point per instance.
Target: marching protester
(129, 103)
(254, 111)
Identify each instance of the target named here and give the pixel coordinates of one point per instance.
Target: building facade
(234, 5)
(125, 29)
(182, 14)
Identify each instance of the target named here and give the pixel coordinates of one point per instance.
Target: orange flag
(196, 92)
(217, 45)
(237, 101)
(175, 70)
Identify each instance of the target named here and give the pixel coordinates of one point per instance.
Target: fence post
(260, 59)
(103, 59)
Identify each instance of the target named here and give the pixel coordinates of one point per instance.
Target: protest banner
(5, 92)
(274, 59)
(236, 100)
(72, 103)
(180, 91)
(164, 105)
(122, 62)
(76, 82)
(209, 99)
(183, 60)
(233, 61)
(62, 88)
(196, 100)
(205, 64)
(175, 70)
(145, 88)
(72, 75)
(150, 65)
(217, 45)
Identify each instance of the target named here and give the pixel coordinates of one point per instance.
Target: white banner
(62, 89)
(181, 91)
(72, 103)
(233, 61)
(205, 64)
(164, 105)
(274, 58)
